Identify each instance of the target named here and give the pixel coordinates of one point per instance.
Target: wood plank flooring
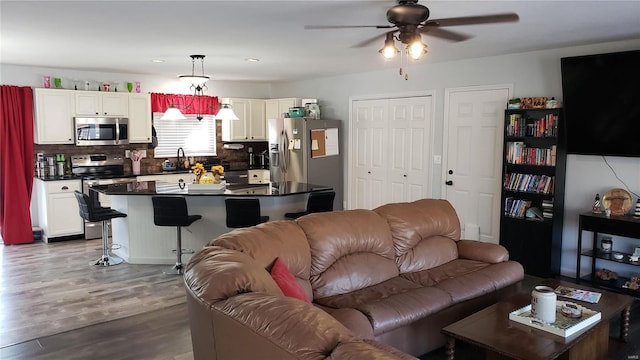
(49, 290)
(54, 305)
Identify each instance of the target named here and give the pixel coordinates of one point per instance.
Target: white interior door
(369, 153)
(474, 121)
(409, 148)
(390, 150)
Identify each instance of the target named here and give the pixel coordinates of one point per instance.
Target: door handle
(449, 182)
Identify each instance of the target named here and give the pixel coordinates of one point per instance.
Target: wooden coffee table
(491, 331)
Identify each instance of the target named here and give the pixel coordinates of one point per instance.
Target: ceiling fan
(410, 19)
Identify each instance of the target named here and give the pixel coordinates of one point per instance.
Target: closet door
(369, 149)
(390, 151)
(409, 148)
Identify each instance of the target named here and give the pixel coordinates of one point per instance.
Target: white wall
(532, 74)
(33, 76)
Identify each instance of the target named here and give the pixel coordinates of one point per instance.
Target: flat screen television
(601, 96)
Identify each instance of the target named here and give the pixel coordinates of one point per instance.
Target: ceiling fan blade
(445, 34)
(373, 40)
(319, 27)
(473, 20)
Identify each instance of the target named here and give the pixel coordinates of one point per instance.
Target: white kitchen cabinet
(58, 211)
(54, 116)
(252, 124)
(139, 118)
(97, 103)
(274, 108)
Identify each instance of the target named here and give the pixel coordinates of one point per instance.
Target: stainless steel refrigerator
(307, 150)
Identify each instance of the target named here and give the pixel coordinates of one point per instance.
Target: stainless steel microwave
(101, 131)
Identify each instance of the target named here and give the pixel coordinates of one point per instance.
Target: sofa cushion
(344, 245)
(391, 304)
(419, 230)
(268, 241)
(286, 281)
(215, 274)
(464, 279)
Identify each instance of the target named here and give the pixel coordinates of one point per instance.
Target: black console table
(627, 226)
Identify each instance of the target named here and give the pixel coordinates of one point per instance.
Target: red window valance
(187, 104)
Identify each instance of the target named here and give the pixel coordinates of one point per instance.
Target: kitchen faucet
(180, 159)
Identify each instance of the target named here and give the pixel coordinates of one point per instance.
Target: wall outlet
(127, 154)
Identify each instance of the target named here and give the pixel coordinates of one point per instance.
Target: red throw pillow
(286, 281)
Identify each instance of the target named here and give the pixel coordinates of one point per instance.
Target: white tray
(563, 326)
(207, 187)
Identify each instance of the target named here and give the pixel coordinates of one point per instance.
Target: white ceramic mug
(543, 304)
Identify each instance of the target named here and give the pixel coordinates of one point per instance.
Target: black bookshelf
(625, 225)
(533, 175)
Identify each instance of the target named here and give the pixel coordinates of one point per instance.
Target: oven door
(101, 131)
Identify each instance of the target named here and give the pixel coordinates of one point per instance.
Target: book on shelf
(578, 294)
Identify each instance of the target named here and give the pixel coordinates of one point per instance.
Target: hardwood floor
(53, 305)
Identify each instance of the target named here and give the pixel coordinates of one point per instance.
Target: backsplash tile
(238, 159)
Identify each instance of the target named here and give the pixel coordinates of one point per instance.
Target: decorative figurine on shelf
(596, 205)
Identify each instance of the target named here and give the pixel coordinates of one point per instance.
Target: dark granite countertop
(163, 188)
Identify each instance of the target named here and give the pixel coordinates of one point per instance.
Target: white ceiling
(124, 36)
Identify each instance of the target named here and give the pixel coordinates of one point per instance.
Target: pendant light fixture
(198, 85)
(226, 110)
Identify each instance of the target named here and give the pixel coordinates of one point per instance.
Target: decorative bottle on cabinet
(533, 176)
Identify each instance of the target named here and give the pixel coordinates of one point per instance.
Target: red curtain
(187, 104)
(16, 163)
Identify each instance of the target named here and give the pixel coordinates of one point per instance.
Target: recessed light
(157, 61)
(251, 59)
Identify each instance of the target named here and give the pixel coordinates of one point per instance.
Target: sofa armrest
(278, 324)
(369, 350)
(482, 251)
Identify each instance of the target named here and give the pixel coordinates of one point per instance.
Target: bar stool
(91, 213)
(317, 202)
(172, 211)
(243, 212)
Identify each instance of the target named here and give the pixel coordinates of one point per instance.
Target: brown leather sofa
(379, 280)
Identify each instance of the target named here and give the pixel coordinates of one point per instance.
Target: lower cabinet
(58, 211)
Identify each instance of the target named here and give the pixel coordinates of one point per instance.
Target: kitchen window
(197, 138)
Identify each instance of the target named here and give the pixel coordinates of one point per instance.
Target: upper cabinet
(54, 116)
(252, 124)
(274, 108)
(56, 108)
(139, 118)
(95, 103)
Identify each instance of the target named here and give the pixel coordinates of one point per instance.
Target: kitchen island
(141, 242)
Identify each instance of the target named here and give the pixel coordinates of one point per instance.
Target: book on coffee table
(564, 325)
(578, 294)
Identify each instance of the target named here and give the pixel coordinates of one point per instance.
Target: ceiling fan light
(416, 49)
(389, 50)
(173, 113)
